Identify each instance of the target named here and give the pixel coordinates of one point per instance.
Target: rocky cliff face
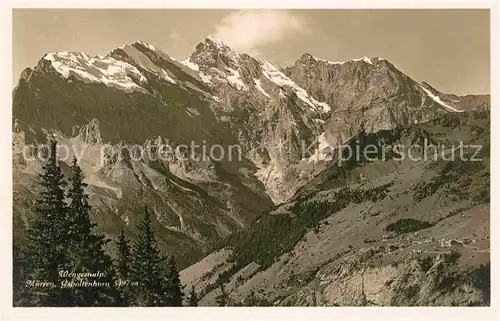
(107, 109)
(367, 93)
(380, 233)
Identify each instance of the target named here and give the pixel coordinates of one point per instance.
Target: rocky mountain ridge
(137, 95)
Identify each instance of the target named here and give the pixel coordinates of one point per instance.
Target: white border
(257, 4)
(341, 313)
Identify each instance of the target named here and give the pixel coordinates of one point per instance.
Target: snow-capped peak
(216, 42)
(140, 42)
(97, 69)
(145, 44)
(216, 45)
(208, 51)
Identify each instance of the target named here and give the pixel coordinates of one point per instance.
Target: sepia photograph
(250, 157)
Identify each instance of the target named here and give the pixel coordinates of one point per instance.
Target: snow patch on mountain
(218, 43)
(273, 74)
(328, 62)
(223, 48)
(206, 78)
(272, 177)
(144, 62)
(106, 70)
(190, 64)
(147, 45)
(259, 87)
(323, 150)
(165, 76)
(193, 66)
(440, 102)
(364, 59)
(235, 79)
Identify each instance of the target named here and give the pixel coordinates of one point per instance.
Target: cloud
(249, 30)
(174, 35)
(175, 38)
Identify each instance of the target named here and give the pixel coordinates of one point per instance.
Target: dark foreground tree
(123, 269)
(158, 282)
(147, 267)
(88, 257)
(173, 284)
(193, 298)
(47, 241)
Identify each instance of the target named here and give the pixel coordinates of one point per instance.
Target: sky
(449, 49)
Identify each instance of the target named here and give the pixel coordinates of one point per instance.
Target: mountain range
(218, 215)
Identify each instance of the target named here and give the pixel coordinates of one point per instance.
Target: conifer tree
(174, 293)
(123, 268)
(87, 250)
(47, 243)
(221, 299)
(193, 298)
(147, 268)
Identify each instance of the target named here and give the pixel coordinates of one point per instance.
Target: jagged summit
(210, 52)
(209, 41)
(216, 42)
(307, 57)
(145, 44)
